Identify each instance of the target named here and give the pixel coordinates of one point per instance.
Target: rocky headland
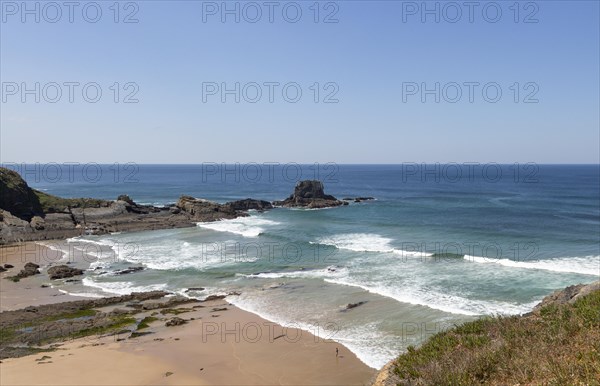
(27, 214)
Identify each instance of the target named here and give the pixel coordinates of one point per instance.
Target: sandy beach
(218, 345)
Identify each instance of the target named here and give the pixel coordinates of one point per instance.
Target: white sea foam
(359, 242)
(82, 294)
(305, 274)
(589, 265)
(367, 242)
(407, 293)
(95, 248)
(369, 344)
(251, 226)
(442, 301)
(121, 287)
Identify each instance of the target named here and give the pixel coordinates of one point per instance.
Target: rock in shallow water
(63, 271)
(310, 194)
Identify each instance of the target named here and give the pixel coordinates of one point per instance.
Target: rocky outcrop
(176, 321)
(250, 204)
(48, 311)
(63, 272)
(310, 194)
(205, 210)
(29, 269)
(69, 320)
(129, 270)
(567, 296)
(126, 198)
(30, 215)
(17, 197)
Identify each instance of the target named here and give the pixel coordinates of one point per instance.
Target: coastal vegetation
(557, 344)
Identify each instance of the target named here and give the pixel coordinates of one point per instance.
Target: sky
(331, 81)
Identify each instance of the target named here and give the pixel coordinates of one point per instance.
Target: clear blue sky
(371, 54)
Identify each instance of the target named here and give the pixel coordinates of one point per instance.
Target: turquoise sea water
(440, 244)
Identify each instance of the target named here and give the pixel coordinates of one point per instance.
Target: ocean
(438, 245)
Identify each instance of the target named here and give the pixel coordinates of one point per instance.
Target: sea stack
(310, 194)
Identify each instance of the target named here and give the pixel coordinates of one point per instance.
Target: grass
(145, 323)
(118, 323)
(6, 335)
(13, 334)
(54, 204)
(72, 315)
(559, 346)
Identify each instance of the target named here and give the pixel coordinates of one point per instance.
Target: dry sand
(228, 347)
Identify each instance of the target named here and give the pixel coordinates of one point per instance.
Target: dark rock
(310, 194)
(194, 289)
(137, 334)
(2, 269)
(120, 311)
(29, 269)
(17, 197)
(175, 210)
(311, 189)
(214, 297)
(350, 306)
(129, 270)
(126, 198)
(8, 266)
(63, 272)
(358, 199)
(248, 204)
(217, 309)
(204, 210)
(152, 306)
(175, 322)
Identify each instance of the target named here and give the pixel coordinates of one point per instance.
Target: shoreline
(230, 345)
